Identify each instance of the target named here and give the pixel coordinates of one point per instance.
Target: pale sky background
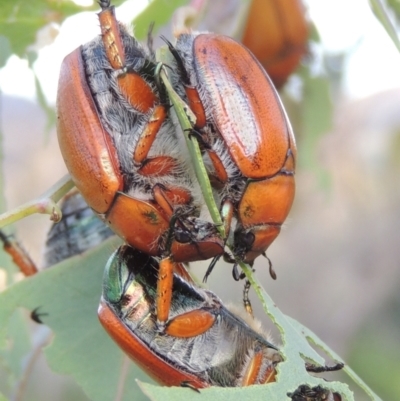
(372, 66)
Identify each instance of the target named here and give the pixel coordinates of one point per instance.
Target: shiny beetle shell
(123, 152)
(228, 354)
(276, 32)
(249, 146)
(243, 105)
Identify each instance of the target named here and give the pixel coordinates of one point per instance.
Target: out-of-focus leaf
(395, 6)
(69, 293)
(13, 355)
(20, 19)
(49, 111)
(159, 12)
(316, 121)
(381, 13)
(376, 344)
(5, 50)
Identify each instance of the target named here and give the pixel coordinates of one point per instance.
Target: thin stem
(186, 119)
(21, 385)
(122, 378)
(45, 204)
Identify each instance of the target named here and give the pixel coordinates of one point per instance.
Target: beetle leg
(111, 35)
(272, 272)
(192, 93)
(134, 88)
(196, 106)
(200, 138)
(19, 256)
(164, 291)
(259, 370)
(235, 272)
(219, 169)
(186, 325)
(246, 299)
(159, 166)
(252, 370)
(320, 369)
(166, 198)
(190, 324)
(269, 375)
(188, 384)
(149, 134)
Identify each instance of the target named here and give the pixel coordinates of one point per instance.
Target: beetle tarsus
(321, 369)
(196, 134)
(272, 272)
(187, 384)
(246, 299)
(36, 316)
(182, 70)
(211, 267)
(235, 272)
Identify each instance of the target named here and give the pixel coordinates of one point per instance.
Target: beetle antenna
(271, 269)
(235, 272)
(150, 40)
(182, 70)
(320, 369)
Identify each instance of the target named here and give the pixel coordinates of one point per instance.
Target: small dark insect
(36, 315)
(320, 369)
(318, 393)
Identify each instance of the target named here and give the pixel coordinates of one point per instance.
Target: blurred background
(337, 258)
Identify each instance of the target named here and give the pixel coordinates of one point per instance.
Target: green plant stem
(45, 204)
(381, 14)
(187, 119)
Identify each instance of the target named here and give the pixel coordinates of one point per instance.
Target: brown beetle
(276, 32)
(123, 152)
(249, 145)
(218, 350)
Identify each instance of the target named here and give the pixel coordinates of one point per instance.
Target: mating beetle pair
(125, 157)
(229, 352)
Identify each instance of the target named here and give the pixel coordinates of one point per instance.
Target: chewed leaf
(69, 293)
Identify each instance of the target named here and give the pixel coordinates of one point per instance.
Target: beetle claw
(235, 272)
(211, 267)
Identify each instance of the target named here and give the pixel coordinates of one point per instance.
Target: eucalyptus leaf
(20, 19)
(69, 293)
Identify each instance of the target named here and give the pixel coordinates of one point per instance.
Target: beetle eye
(245, 240)
(182, 236)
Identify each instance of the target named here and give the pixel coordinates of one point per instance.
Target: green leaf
(16, 351)
(383, 17)
(69, 293)
(159, 12)
(316, 120)
(5, 50)
(20, 19)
